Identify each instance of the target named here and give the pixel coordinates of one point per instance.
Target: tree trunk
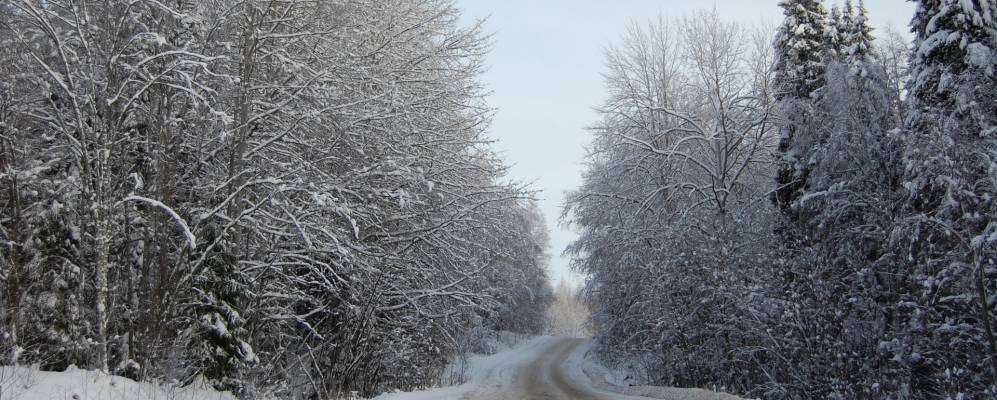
(981, 289)
(100, 283)
(12, 283)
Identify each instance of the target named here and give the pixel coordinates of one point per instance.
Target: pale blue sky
(545, 72)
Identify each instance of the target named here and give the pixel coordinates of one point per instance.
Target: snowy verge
(23, 383)
(482, 371)
(496, 375)
(583, 366)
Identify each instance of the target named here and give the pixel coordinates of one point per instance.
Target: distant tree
(893, 51)
(860, 39)
(836, 37)
(568, 313)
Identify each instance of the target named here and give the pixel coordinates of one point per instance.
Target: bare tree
(674, 199)
(280, 196)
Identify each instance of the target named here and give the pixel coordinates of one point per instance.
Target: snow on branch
(191, 240)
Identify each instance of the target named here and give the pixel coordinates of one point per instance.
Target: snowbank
(497, 369)
(585, 367)
(22, 383)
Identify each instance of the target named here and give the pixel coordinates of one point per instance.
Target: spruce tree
(859, 36)
(848, 17)
(799, 71)
(836, 36)
(946, 237)
(799, 74)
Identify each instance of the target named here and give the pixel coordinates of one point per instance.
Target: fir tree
(799, 71)
(836, 36)
(859, 37)
(799, 74)
(947, 235)
(848, 17)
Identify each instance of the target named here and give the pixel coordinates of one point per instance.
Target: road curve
(543, 368)
(545, 377)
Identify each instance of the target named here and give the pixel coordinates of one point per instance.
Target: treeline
(813, 219)
(288, 198)
(568, 314)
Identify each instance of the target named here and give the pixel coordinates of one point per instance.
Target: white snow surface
(499, 372)
(488, 375)
(599, 376)
(24, 383)
(494, 370)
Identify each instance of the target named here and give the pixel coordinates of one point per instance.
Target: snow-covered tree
(840, 279)
(672, 211)
(943, 345)
(848, 19)
(799, 43)
(860, 39)
(893, 53)
(291, 197)
(798, 75)
(882, 283)
(836, 37)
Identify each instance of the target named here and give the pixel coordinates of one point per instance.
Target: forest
(303, 199)
(287, 198)
(809, 218)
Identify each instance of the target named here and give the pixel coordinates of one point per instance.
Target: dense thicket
(285, 197)
(871, 273)
(677, 183)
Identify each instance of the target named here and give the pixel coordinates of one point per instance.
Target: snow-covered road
(546, 368)
(548, 375)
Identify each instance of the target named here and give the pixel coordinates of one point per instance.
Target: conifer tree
(848, 17)
(859, 36)
(799, 74)
(947, 235)
(836, 36)
(799, 71)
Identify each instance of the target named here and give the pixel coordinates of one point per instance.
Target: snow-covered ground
(592, 372)
(23, 383)
(541, 367)
(497, 370)
(551, 368)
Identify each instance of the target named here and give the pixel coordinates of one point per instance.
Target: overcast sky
(545, 71)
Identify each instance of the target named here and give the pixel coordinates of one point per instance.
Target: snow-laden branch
(191, 239)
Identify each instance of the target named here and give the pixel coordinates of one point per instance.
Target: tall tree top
(799, 44)
(849, 14)
(836, 35)
(860, 35)
(952, 37)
